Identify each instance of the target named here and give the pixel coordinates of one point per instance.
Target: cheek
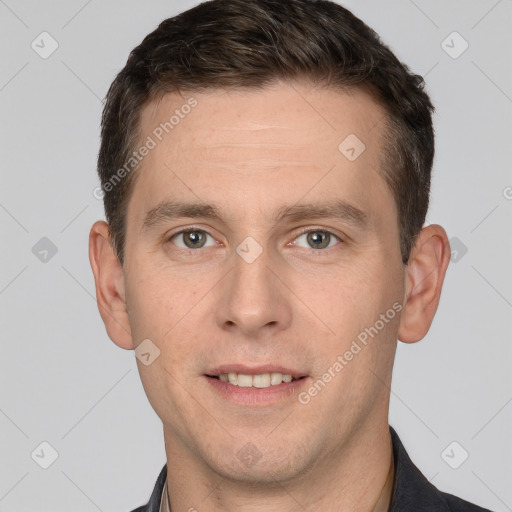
(159, 311)
(351, 299)
(155, 304)
(167, 308)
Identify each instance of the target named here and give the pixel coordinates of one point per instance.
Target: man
(266, 170)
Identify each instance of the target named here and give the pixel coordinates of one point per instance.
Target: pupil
(194, 239)
(319, 239)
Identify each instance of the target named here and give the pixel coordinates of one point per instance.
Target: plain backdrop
(63, 382)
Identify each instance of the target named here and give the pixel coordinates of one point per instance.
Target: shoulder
(456, 504)
(153, 504)
(412, 492)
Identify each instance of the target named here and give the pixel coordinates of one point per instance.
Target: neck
(357, 476)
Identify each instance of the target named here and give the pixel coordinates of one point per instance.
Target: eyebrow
(338, 209)
(170, 210)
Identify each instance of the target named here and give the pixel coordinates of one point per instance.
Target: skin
(299, 306)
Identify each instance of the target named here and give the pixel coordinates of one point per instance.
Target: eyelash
(303, 231)
(188, 230)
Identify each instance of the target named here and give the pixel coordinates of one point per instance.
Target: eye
(317, 239)
(191, 239)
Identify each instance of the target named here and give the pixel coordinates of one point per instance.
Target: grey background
(64, 382)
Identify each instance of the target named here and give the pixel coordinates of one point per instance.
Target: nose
(254, 299)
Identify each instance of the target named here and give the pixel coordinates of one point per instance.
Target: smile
(260, 381)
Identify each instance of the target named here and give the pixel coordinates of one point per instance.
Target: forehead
(297, 114)
(269, 144)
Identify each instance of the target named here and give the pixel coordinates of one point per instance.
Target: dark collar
(412, 492)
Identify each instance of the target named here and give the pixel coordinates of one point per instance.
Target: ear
(425, 273)
(109, 279)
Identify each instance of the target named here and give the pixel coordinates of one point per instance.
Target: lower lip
(256, 396)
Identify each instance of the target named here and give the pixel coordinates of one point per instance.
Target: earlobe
(109, 281)
(425, 275)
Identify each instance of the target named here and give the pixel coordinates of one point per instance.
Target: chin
(252, 466)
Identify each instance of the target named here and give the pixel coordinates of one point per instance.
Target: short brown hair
(227, 44)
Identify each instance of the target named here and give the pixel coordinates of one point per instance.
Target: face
(262, 241)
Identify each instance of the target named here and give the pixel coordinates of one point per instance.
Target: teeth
(276, 378)
(244, 381)
(260, 381)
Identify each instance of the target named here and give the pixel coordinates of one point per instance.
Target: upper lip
(254, 370)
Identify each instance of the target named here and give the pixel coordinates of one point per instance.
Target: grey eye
(317, 239)
(193, 239)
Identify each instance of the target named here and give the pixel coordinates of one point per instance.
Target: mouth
(256, 386)
(259, 381)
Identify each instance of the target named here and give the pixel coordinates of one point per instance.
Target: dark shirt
(412, 492)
